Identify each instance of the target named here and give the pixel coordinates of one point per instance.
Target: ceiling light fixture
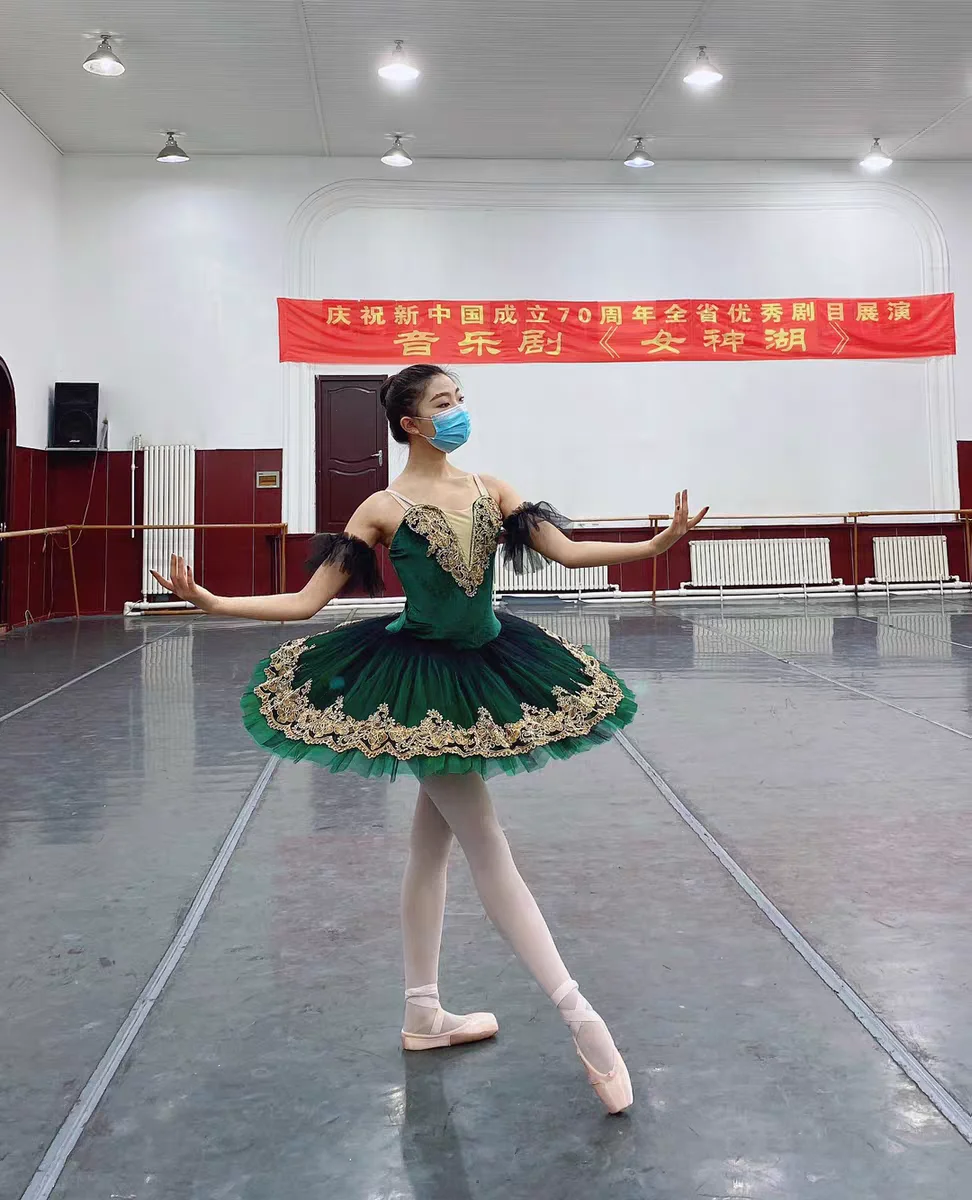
(397, 68)
(396, 155)
(703, 75)
(876, 159)
(172, 152)
(639, 156)
(103, 60)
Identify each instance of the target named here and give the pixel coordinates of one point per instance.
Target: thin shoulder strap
(483, 491)
(402, 500)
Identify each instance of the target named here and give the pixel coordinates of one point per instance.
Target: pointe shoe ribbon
(475, 1027)
(613, 1088)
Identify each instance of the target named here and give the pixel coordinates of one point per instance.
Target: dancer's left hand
(682, 523)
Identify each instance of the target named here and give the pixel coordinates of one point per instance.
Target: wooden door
(352, 446)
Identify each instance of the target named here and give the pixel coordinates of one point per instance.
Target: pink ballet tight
(460, 806)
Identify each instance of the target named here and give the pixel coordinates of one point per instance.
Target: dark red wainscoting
(94, 490)
(229, 561)
(26, 574)
(62, 488)
(52, 488)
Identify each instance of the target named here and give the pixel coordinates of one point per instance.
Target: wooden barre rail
(16, 533)
(796, 518)
(280, 527)
(647, 519)
(653, 520)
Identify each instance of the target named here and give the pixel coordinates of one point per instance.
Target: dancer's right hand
(182, 584)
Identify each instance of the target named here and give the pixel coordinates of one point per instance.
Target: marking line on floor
(848, 687)
(889, 624)
(94, 670)
(883, 1034)
(52, 1164)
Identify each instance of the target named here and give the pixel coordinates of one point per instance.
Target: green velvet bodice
(447, 596)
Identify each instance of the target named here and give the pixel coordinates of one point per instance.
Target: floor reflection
(431, 1149)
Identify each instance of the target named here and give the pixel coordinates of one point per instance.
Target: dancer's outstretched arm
(548, 540)
(329, 578)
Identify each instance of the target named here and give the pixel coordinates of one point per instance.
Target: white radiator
(169, 499)
(911, 560)
(760, 562)
(552, 577)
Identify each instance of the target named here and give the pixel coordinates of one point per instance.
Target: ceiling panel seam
(312, 73)
(676, 54)
(933, 125)
(30, 120)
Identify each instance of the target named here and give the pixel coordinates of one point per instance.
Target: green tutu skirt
(365, 699)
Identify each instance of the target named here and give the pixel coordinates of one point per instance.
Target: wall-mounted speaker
(75, 417)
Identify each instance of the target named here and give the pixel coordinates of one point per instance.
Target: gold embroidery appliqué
(289, 711)
(429, 522)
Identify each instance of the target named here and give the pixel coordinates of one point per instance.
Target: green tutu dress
(447, 687)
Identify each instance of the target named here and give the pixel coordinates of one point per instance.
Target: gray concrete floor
(826, 746)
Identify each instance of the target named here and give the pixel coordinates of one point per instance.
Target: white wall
(29, 186)
(170, 277)
(621, 438)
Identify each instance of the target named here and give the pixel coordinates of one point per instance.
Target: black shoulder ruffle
(353, 556)
(519, 528)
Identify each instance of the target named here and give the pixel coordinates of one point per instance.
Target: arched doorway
(8, 440)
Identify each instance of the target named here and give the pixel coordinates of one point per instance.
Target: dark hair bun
(401, 393)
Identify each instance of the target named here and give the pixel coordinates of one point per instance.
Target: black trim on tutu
(351, 555)
(519, 527)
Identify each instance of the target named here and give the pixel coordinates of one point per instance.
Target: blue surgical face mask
(451, 429)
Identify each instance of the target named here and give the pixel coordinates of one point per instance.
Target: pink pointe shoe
(475, 1027)
(614, 1088)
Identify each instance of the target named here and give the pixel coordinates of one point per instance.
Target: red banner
(383, 331)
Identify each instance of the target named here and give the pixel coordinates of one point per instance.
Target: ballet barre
(654, 523)
(277, 527)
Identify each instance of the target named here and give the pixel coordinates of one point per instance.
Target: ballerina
(449, 690)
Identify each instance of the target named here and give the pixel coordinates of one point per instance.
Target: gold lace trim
(289, 711)
(430, 522)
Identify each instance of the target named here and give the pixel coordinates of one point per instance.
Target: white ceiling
(545, 79)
